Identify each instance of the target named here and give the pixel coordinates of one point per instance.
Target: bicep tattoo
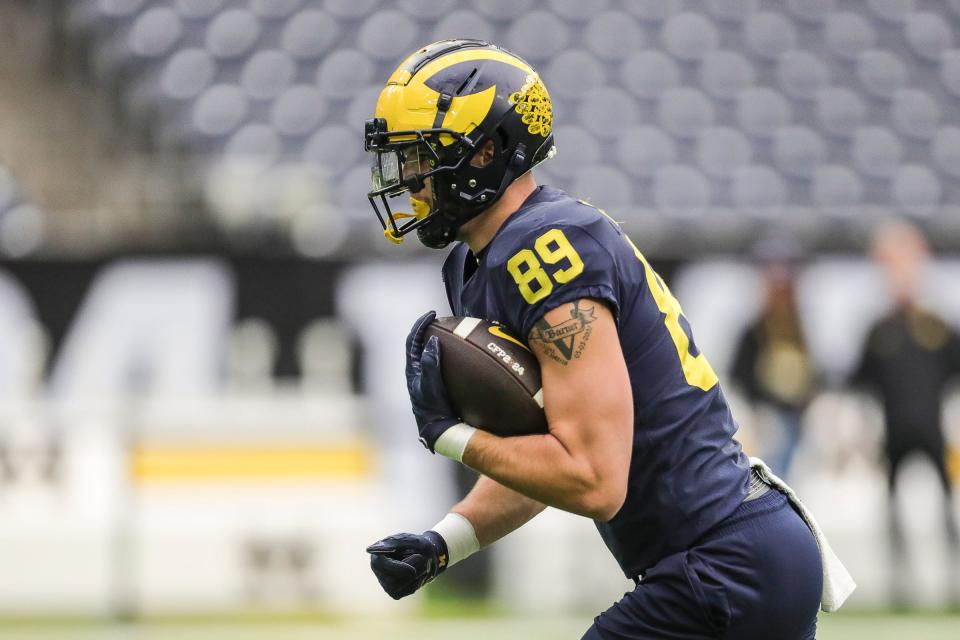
(565, 340)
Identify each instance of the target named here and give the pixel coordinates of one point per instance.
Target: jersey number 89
(527, 269)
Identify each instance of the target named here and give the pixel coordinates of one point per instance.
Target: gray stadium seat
(685, 112)
(274, 9)
(762, 111)
(351, 8)
(680, 189)
(503, 10)
(801, 74)
(810, 10)
(769, 35)
(255, 143)
(463, 24)
(758, 188)
(267, 73)
(577, 10)
(840, 111)
(363, 105)
(232, 33)
(653, 10)
(154, 32)
(798, 151)
(647, 74)
(22, 230)
(835, 188)
(8, 189)
(849, 34)
(876, 152)
(573, 73)
(720, 150)
(689, 36)
(608, 111)
(641, 151)
(915, 113)
(731, 10)
(429, 10)
(388, 35)
(538, 35)
(945, 150)
(219, 110)
(333, 148)
(881, 72)
(893, 11)
(724, 74)
(119, 8)
(950, 71)
(308, 34)
(928, 35)
(298, 110)
(916, 189)
(344, 72)
(576, 148)
(603, 184)
(194, 9)
(353, 190)
(187, 73)
(613, 34)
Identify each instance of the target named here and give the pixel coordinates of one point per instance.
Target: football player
(640, 438)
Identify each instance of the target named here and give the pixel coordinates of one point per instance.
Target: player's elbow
(604, 502)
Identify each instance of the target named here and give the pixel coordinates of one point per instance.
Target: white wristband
(460, 536)
(453, 442)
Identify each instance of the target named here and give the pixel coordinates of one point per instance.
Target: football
(492, 377)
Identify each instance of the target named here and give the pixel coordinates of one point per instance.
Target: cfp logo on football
(498, 351)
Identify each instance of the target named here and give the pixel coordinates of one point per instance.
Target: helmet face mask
(486, 97)
(409, 162)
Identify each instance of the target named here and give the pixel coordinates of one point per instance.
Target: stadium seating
(765, 107)
(21, 222)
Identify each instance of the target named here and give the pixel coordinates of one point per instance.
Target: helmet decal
(533, 103)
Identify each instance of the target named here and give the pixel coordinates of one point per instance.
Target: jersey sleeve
(554, 265)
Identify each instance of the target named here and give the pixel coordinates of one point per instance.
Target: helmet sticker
(533, 104)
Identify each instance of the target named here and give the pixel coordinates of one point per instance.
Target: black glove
(428, 394)
(405, 562)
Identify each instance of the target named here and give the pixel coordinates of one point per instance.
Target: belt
(758, 486)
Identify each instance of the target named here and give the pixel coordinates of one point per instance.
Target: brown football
(492, 377)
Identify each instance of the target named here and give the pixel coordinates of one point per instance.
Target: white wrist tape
(460, 536)
(453, 442)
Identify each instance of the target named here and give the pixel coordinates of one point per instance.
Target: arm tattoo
(566, 340)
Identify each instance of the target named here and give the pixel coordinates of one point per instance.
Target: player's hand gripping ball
(473, 371)
(405, 562)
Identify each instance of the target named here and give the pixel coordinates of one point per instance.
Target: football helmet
(439, 108)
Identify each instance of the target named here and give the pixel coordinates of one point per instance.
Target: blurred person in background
(772, 363)
(909, 357)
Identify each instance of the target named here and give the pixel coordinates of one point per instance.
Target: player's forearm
(542, 468)
(495, 510)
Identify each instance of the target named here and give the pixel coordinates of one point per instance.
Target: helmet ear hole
(503, 137)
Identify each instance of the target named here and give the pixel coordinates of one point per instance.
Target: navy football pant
(757, 576)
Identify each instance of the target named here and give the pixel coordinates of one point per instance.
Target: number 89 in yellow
(527, 270)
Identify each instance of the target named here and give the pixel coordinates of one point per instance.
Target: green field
(844, 626)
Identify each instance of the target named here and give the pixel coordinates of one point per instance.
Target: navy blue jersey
(687, 472)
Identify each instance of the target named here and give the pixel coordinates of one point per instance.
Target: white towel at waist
(838, 584)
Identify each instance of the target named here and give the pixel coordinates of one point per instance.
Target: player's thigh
(663, 606)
